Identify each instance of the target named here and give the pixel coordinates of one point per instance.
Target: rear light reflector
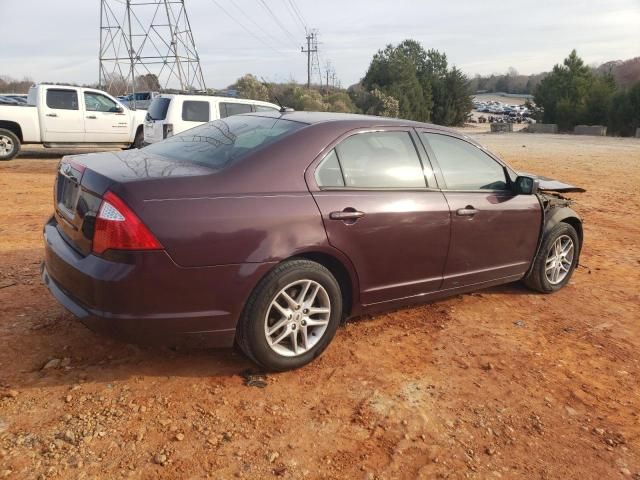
(78, 167)
(118, 228)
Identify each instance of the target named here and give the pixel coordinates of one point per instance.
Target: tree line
(403, 80)
(574, 94)
(408, 81)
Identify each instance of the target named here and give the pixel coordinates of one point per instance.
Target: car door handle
(51, 114)
(93, 117)
(346, 214)
(467, 211)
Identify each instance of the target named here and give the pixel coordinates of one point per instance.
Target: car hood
(553, 185)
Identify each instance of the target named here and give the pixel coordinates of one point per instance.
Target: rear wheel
(9, 144)
(556, 260)
(291, 316)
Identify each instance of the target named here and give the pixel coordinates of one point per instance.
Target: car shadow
(51, 333)
(39, 153)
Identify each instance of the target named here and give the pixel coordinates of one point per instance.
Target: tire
(138, 141)
(259, 315)
(9, 144)
(541, 278)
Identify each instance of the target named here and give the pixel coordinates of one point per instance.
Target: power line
(277, 20)
(246, 29)
(299, 13)
(297, 20)
(258, 26)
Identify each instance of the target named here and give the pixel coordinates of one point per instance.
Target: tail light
(167, 130)
(118, 228)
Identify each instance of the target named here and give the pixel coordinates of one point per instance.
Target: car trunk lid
(83, 180)
(72, 204)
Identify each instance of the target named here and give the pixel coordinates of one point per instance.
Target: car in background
(170, 114)
(268, 229)
(5, 100)
(18, 97)
(68, 116)
(138, 100)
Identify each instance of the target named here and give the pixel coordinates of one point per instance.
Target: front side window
(62, 99)
(96, 102)
(195, 111)
(220, 143)
(227, 109)
(380, 160)
(464, 166)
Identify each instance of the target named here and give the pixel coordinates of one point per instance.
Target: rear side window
(219, 143)
(158, 108)
(195, 111)
(228, 109)
(62, 99)
(464, 166)
(328, 173)
(380, 160)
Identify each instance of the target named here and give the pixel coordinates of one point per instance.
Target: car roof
(215, 97)
(352, 120)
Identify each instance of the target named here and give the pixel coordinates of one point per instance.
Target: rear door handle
(346, 214)
(93, 117)
(51, 114)
(467, 211)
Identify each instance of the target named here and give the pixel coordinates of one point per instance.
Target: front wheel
(556, 260)
(9, 144)
(138, 141)
(291, 316)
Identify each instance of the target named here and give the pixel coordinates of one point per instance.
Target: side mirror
(119, 109)
(526, 186)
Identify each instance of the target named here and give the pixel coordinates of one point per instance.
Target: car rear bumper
(148, 298)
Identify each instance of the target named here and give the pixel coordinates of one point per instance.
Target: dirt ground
(503, 383)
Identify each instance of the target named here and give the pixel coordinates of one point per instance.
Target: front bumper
(148, 298)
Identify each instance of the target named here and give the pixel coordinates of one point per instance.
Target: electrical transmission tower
(313, 63)
(147, 44)
(330, 74)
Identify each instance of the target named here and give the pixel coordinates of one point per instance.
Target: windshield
(219, 143)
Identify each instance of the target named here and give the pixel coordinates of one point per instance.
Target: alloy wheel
(297, 318)
(559, 259)
(6, 145)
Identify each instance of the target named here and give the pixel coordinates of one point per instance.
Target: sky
(58, 41)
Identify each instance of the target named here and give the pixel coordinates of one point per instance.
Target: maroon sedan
(269, 229)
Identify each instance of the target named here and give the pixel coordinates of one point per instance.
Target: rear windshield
(217, 144)
(158, 108)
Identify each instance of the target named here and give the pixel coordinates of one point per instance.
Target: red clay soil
(504, 383)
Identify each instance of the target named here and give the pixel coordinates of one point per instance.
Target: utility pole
(329, 74)
(312, 49)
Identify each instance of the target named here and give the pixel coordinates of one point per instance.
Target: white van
(170, 114)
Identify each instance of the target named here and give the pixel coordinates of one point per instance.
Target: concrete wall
(597, 130)
(543, 128)
(502, 127)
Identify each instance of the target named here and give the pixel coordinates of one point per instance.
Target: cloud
(58, 41)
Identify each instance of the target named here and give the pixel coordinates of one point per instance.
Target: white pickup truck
(62, 116)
